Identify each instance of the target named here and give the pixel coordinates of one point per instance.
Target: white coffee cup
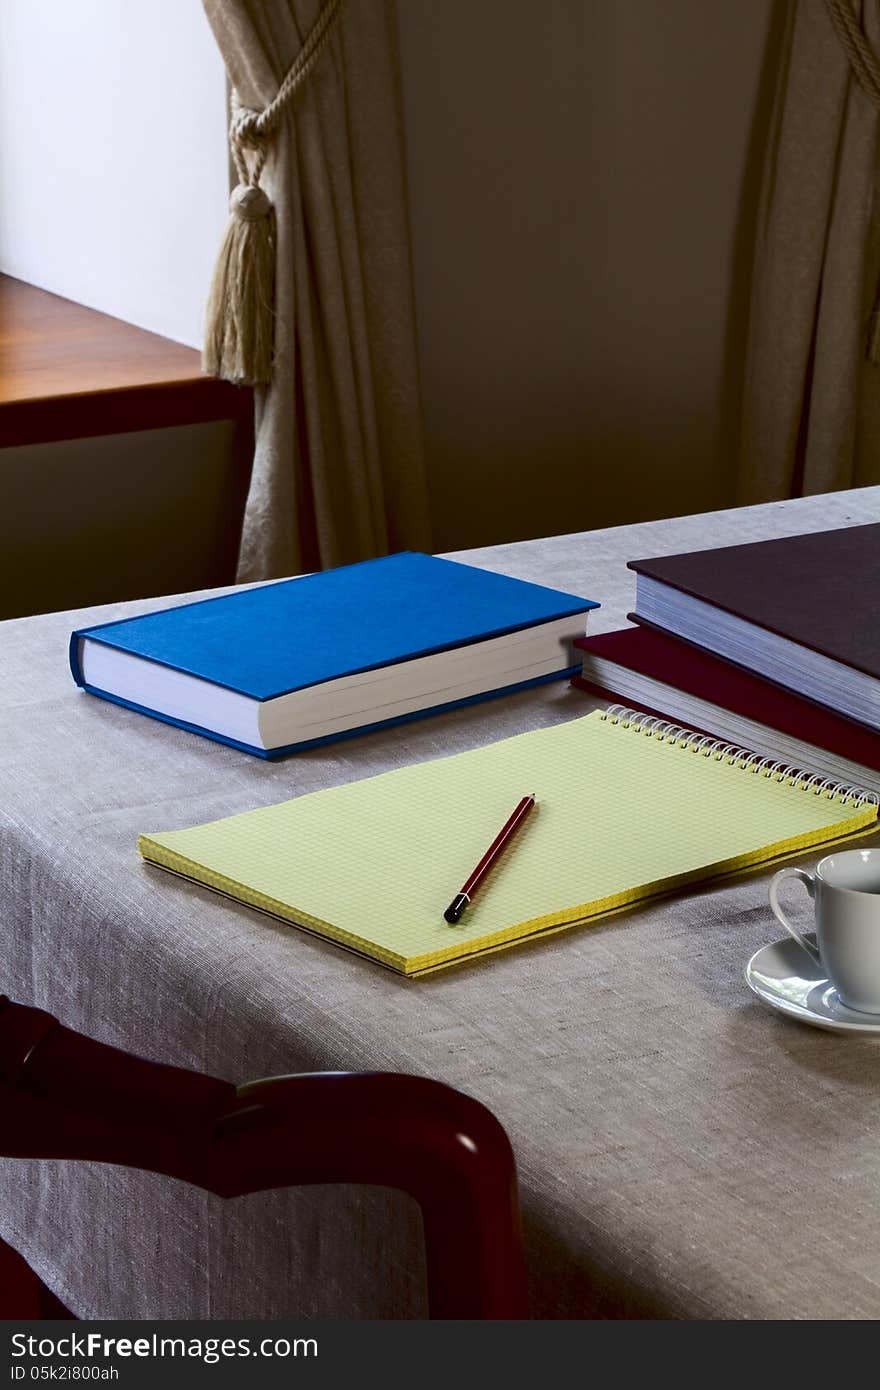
(846, 894)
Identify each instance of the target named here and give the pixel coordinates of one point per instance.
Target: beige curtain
(811, 407)
(339, 469)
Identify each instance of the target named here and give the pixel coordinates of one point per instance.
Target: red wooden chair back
(63, 1095)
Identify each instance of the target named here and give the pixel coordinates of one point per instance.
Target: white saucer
(790, 981)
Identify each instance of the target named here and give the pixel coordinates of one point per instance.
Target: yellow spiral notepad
(625, 810)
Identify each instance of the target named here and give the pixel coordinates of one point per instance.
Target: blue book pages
(372, 726)
(288, 636)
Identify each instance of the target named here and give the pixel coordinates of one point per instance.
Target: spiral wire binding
(736, 756)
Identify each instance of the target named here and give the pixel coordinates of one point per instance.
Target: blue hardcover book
(301, 661)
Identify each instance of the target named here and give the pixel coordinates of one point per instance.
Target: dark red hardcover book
(819, 590)
(698, 673)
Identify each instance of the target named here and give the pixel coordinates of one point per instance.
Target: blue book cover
(296, 633)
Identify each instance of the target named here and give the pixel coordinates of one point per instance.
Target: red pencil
(497, 847)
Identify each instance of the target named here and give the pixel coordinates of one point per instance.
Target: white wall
(113, 156)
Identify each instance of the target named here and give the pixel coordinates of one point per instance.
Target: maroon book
(670, 667)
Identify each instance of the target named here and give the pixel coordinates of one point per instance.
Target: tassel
(240, 315)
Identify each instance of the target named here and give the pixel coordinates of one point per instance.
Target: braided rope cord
(863, 59)
(252, 130)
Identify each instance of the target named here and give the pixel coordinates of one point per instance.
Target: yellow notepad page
(622, 813)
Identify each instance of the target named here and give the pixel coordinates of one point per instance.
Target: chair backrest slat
(64, 1095)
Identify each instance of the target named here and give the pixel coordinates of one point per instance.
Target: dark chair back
(63, 1095)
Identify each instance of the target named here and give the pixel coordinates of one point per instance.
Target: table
(70, 374)
(683, 1152)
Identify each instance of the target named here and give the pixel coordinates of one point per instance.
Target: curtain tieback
(866, 71)
(240, 317)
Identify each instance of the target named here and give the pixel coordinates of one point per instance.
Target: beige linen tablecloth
(682, 1151)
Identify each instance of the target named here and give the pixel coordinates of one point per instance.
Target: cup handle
(777, 882)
